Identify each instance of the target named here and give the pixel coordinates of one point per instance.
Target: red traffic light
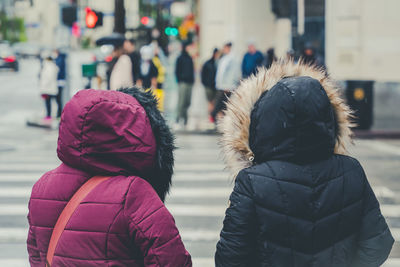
(145, 20)
(91, 18)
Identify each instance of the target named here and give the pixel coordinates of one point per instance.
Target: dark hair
(132, 41)
(215, 51)
(229, 44)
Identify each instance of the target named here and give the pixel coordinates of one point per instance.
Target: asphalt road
(200, 190)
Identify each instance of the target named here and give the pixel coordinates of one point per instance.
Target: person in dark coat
(251, 61)
(184, 72)
(298, 199)
(269, 58)
(208, 73)
(130, 48)
(61, 79)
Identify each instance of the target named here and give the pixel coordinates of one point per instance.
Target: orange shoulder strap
(66, 214)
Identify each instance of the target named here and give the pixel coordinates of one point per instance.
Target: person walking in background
(251, 60)
(61, 79)
(269, 58)
(148, 71)
(226, 79)
(184, 73)
(121, 138)
(158, 91)
(208, 73)
(130, 49)
(48, 84)
(121, 73)
(298, 200)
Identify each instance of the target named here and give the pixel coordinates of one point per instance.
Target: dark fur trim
(160, 178)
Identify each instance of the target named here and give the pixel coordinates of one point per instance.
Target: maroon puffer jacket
(123, 221)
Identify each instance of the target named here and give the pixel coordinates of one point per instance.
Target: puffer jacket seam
(284, 200)
(108, 233)
(299, 218)
(293, 182)
(136, 226)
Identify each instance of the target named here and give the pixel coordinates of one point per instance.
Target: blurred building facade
(241, 22)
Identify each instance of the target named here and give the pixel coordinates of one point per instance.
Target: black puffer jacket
(300, 203)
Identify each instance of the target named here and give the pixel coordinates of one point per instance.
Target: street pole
(119, 16)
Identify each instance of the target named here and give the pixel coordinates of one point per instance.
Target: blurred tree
(119, 16)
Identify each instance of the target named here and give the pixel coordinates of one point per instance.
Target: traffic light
(171, 31)
(93, 18)
(145, 20)
(69, 15)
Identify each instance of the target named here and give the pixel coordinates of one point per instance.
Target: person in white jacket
(121, 74)
(227, 78)
(48, 83)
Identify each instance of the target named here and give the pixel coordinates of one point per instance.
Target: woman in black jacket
(298, 199)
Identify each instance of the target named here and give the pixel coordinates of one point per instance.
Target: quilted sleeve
(34, 255)
(237, 238)
(153, 229)
(375, 240)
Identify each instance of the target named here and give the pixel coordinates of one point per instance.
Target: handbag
(67, 212)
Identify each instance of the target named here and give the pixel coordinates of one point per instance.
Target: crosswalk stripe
(38, 167)
(186, 210)
(9, 234)
(197, 262)
(381, 146)
(176, 192)
(179, 176)
(383, 192)
(180, 191)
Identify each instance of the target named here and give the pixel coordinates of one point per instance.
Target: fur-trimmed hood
(117, 133)
(241, 124)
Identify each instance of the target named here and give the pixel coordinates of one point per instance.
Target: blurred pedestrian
(270, 58)
(48, 83)
(251, 60)
(226, 79)
(121, 73)
(311, 58)
(184, 72)
(158, 91)
(61, 79)
(208, 73)
(148, 71)
(120, 140)
(290, 56)
(130, 49)
(298, 200)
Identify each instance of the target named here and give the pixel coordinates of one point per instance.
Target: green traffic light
(174, 31)
(170, 31)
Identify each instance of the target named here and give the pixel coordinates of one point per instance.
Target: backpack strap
(66, 214)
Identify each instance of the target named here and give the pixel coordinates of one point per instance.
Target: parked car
(27, 50)
(8, 59)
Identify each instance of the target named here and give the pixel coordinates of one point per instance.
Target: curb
(377, 134)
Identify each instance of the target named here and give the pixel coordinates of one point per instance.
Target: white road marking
(197, 262)
(383, 192)
(203, 192)
(9, 234)
(382, 147)
(390, 210)
(178, 176)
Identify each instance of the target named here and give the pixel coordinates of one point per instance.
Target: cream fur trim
(236, 123)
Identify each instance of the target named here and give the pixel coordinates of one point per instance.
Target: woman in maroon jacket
(123, 221)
